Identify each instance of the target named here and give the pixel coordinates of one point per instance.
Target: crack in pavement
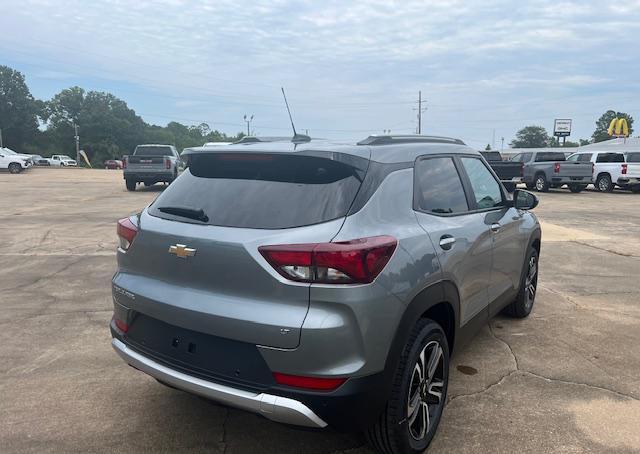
(585, 308)
(224, 430)
(623, 254)
(518, 370)
(46, 276)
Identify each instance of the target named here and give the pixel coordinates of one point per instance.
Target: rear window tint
(546, 156)
(633, 157)
(438, 187)
(610, 157)
(153, 151)
(491, 155)
(265, 191)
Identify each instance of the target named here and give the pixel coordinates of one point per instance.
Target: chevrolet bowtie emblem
(182, 251)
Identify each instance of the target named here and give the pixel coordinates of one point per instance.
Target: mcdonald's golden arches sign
(618, 128)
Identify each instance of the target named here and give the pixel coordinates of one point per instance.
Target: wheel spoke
(425, 420)
(414, 402)
(432, 389)
(415, 413)
(434, 360)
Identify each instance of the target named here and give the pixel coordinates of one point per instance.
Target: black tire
(604, 183)
(541, 183)
(523, 304)
(577, 187)
(394, 432)
(131, 184)
(15, 168)
(635, 189)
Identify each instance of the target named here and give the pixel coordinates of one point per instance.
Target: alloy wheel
(425, 390)
(531, 281)
(539, 184)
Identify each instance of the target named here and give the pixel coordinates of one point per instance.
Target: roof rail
(408, 138)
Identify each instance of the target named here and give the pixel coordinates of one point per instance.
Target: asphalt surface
(565, 380)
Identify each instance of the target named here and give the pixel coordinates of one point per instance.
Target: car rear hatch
(148, 157)
(574, 169)
(206, 274)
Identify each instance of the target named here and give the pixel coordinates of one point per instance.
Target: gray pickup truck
(550, 169)
(151, 164)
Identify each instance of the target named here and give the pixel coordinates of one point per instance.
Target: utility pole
(77, 137)
(248, 124)
(420, 110)
(502, 146)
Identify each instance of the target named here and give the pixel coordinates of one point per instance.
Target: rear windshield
(265, 191)
(610, 157)
(633, 157)
(153, 151)
(546, 156)
(491, 155)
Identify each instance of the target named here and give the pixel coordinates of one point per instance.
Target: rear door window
(265, 191)
(633, 157)
(486, 189)
(438, 187)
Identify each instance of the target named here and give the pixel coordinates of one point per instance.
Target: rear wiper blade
(190, 213)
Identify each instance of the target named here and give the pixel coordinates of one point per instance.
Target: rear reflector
(122, 326)
(348, 262)
(318, 384)
(126, 232)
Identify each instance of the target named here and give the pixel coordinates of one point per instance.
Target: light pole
(248, 124)
(77, 137)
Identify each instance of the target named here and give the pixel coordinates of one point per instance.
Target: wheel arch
(602, 174)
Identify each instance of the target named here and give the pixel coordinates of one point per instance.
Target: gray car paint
(228, 289)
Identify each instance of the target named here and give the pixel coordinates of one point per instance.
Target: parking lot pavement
(567, 379)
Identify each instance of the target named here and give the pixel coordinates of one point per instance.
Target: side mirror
(524, 200)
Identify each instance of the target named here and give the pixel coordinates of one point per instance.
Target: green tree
(531, 137)
(600, 134)
(488, 147)
(108, 128)
(18, 110)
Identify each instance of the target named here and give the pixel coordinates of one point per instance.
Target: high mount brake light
(348, 262)
(126, 232)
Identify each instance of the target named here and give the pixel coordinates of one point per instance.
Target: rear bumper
(568, 180)
(149, 176)
(628, 181)
(276, 408)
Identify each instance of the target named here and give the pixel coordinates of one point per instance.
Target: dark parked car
(324, 284)
(509, 172)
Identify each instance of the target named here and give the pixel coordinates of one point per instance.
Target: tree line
(108, 128)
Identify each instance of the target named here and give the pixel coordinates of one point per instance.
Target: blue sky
(349, 68)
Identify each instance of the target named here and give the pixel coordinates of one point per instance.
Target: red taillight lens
(167, 163)
(126, 232)
(122, 326)
(124, 162)
(318, 384)
(556, 167)
(347, 262)
(624, 169)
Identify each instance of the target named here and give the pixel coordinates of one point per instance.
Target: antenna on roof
(296, 137)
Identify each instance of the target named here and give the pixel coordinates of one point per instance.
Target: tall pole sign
(562, 128)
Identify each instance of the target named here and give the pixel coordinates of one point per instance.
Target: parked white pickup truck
(14, 162)
(610, 169)
(62, 160)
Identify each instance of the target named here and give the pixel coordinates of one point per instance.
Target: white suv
(610, 169)
(13, 161)
(62, 160)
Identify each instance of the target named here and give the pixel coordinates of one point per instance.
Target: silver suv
(324, 284)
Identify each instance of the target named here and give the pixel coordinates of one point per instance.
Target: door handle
(447, 242)
(495, 227)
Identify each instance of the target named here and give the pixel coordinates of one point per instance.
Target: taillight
(167, 163)
(624, 169)
(124, 162)
(122, 326)
(346, 262)
(318, 384)
(126, 233)
(556, 167)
